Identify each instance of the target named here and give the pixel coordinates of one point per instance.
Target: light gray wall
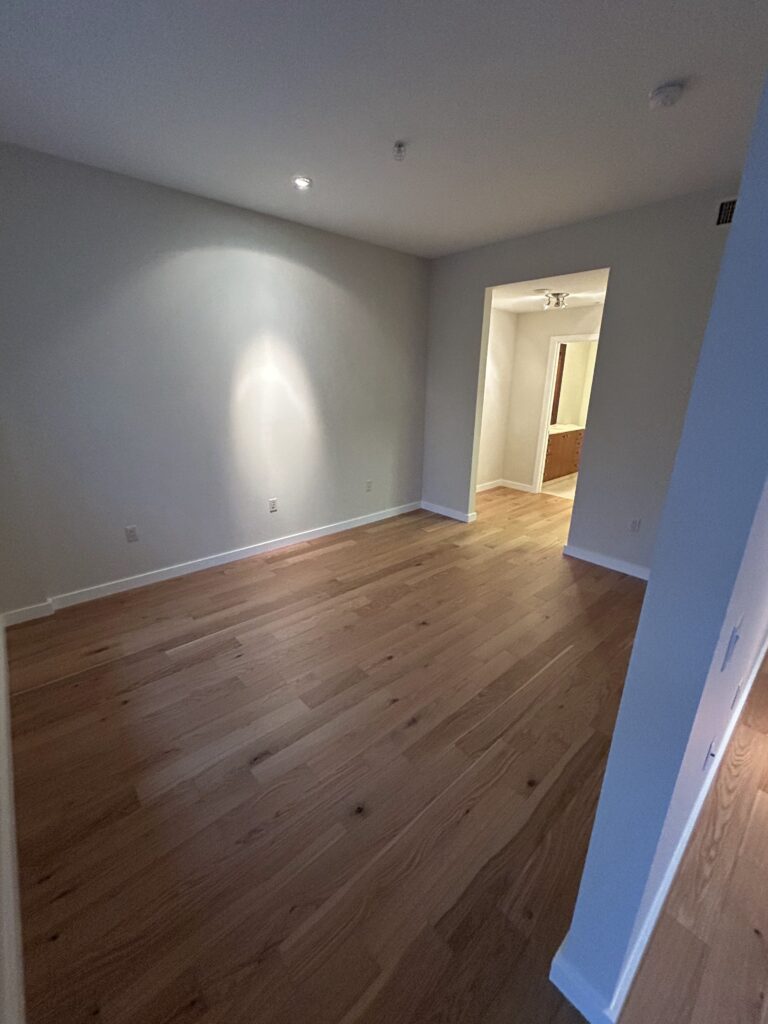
(663, 263)
(498, 381)
(708, 575)
(11, 970)
(20, 583)
(529, 381)
(589, 374)
(172, 363)
(577, 382)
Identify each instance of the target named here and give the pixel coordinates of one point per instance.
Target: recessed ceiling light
(301, 182)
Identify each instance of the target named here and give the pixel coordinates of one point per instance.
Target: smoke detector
(665, 95)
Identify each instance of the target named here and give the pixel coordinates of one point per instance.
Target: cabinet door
(563, 454)
(556, 456)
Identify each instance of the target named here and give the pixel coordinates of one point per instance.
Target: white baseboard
(513, 485)
(184, 568)
(644, 932)
(570, 981)
(32, 611)
(11, 967)
(642, 572)
(578, 991)
(450, 513)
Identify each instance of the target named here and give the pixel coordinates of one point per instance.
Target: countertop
(563, 428)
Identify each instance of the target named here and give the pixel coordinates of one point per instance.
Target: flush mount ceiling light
(301, 182)
(555, 300)
(665, 95)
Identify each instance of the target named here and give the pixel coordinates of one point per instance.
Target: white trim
(11, 967)
(578, 991)
(32, 611)
(555, 341)
(635, 955)
(479, 399)
(513, 485)
(642, 572)
(450, 513)
(566, 977)
(184, 568)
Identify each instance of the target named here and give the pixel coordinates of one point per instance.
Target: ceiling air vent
(725, 212)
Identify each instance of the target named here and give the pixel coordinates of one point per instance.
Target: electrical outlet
(634, 525)
(273, 504)
(131, 534)
(369, 485)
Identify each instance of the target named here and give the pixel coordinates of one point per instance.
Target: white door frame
(549, 393)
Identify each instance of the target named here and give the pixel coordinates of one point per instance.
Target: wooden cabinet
(563, 453)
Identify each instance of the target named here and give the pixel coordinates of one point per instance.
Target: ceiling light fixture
(301, 182)
(665, 95)
(555, 300)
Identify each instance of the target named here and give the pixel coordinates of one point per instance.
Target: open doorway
(542, 348)
(566, 402)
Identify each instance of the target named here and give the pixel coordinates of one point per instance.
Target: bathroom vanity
(563, 450)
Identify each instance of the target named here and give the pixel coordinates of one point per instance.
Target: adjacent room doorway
(570, 372)
(541, 351)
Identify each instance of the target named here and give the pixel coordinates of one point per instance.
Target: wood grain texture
(349, 782)
(707, 961)
(563, 454)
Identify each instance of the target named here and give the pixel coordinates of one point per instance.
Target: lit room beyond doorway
(543, 339)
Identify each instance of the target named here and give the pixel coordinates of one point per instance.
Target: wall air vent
(725, 212)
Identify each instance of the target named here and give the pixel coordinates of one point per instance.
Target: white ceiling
(584, 289)
(519, 115)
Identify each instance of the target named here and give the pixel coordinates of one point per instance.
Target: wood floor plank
(707, 961)
(676, 969)
(330, 783)
(698, 897)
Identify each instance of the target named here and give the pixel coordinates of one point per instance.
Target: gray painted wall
(20, 584)
(708, 575)
(11, 969)
(663, 263)
(173, 363)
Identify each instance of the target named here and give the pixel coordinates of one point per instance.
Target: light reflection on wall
(274, 418)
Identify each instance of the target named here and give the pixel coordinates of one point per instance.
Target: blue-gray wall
(677, 698)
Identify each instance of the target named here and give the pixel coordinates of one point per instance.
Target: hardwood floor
(707, 961)
(349, 781)
(562, 487)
